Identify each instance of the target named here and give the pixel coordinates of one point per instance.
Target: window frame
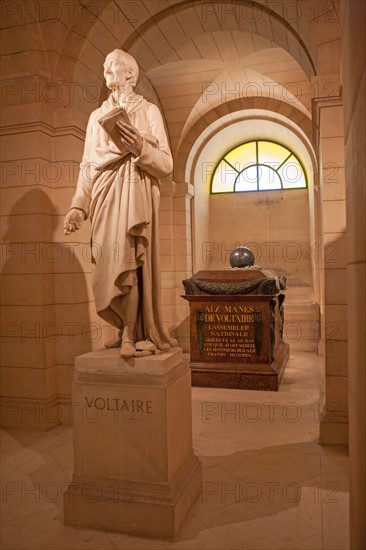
(257, 164)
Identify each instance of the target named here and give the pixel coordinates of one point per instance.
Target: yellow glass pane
(247, 181)
(223, 179)
(292, 174)
(242, 156)
(272, 154)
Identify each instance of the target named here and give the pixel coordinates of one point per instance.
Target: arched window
(258, 166)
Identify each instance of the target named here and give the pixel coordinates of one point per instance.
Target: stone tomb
(236, 339)
(134, 467)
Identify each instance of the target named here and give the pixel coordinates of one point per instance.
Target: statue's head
(120, 70)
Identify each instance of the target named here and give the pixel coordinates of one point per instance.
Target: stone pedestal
(236, 339)
(134, 467)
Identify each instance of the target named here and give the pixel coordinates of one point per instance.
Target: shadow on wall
(46, 321)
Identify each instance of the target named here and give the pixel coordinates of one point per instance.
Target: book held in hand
(109, 124)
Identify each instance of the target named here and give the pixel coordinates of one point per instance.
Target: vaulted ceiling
(199, 60)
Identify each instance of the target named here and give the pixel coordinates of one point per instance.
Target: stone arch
(211, 213)
(298, 33)
(234, 107)
(73, 37)
(24, 52)
(252, 15)
(256, 18)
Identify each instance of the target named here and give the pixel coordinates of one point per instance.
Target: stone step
(302, 326)
(304, 312)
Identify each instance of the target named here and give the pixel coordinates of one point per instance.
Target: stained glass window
(258, 166)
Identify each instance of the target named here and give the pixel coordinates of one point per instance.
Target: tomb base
(236, 325)
(134, 467)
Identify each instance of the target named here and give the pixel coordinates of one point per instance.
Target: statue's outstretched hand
(73, 220)
(130, 137)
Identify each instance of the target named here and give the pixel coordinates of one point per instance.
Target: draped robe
(120, 194)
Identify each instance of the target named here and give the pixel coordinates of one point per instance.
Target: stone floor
(268, 484)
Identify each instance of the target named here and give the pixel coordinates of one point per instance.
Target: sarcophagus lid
(235, 282)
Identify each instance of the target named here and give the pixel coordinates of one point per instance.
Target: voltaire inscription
(121, 405)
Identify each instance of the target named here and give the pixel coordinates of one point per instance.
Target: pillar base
(334, 428)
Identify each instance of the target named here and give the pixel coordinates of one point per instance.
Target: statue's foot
(112, 344)
(145, 345)
(115, 342)
(164, 346)
(128, 349)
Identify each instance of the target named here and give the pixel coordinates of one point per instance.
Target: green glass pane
(247, 181)
(242, 156)
(223, 179)
(292, 174)
(272, 153)
(268, 179)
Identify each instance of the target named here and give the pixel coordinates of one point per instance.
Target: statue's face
(115, 72)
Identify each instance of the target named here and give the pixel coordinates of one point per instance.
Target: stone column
(29, 331)
(183, 250)
(176, 256)
(48, 317)
(353, 55)
(333, 276)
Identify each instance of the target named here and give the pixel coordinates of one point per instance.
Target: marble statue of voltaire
(119, 192)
